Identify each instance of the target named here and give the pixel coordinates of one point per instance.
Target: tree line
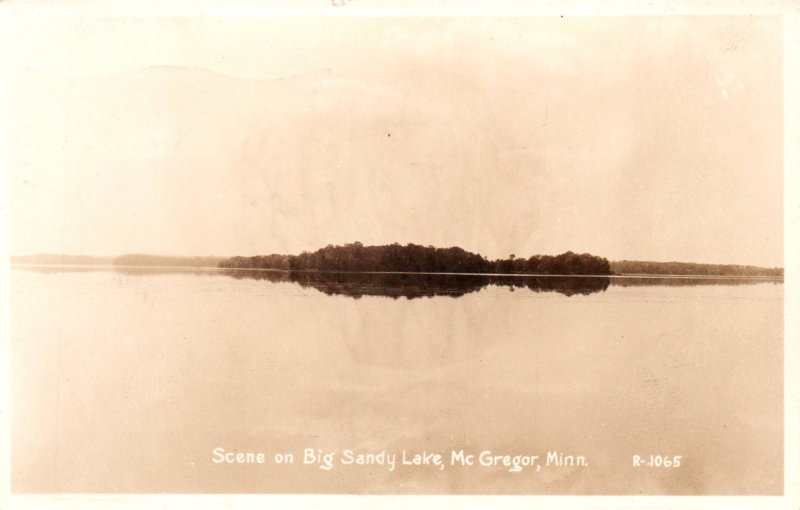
(421, 259)
(633, 267)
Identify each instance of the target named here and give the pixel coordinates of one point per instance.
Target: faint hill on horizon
(127, 260)
(58, 259)
(136, 259)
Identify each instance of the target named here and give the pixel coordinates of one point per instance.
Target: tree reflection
(410, 286)
(418, 285)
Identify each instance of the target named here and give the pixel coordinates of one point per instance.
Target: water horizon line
(538, 275)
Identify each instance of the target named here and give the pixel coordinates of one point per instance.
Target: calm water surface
(125, 381)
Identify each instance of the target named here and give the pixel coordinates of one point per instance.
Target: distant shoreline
(224, 269)
(411, 259)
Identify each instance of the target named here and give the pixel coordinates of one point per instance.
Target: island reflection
(416, 285)
(419, 285)
(411, 285)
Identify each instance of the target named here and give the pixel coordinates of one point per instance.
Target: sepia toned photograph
(397, 255)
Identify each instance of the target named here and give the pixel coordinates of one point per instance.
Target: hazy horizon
(500, 135)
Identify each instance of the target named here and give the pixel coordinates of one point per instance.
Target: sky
(647, 138)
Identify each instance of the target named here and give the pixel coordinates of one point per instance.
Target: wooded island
(414, 258)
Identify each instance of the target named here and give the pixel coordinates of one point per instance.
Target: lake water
(126, 381)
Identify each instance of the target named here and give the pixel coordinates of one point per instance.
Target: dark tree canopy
(414, 258)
